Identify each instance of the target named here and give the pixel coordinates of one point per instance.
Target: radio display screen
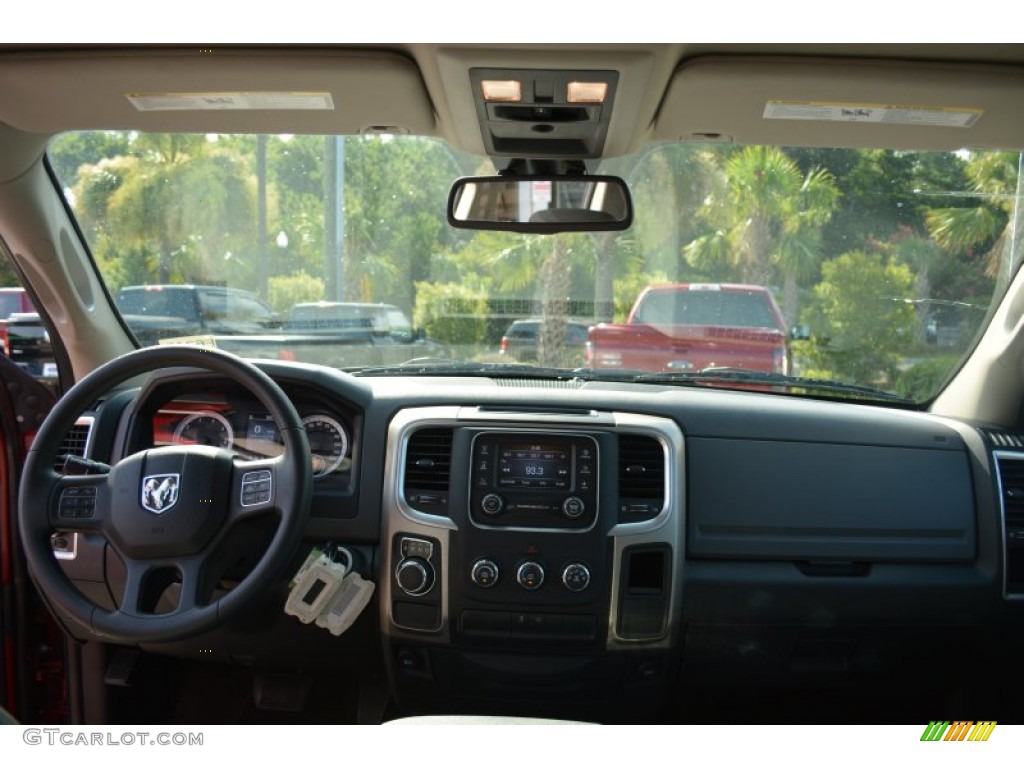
(534, 465)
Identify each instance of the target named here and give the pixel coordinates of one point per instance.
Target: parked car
(203, 537)
(155, 312)
(23, 337)
(693, 327)
(520, 340)
(14, 300)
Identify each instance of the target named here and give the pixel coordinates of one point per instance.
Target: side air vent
(1010, 470)
(997, 438)
(75, 443)
(428, 464)
(641, 477)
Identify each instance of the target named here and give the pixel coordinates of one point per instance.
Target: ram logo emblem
(160, 492)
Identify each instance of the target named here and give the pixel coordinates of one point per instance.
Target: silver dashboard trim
(667, 527)
(397, 517)
(72, 552)
(996, 457)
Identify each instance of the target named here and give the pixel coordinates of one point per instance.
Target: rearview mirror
(541, 204)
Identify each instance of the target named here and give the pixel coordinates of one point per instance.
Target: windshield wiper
(435, 367)
(744, 376)
(740, 376)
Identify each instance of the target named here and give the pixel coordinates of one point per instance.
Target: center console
(531, 554)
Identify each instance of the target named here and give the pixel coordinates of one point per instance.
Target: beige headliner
(666, 91)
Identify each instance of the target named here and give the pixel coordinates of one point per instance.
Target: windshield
(873, 268)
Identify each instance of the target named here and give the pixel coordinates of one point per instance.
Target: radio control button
(576, 577)
(484, 573)
(491, 504)
(530, 575)
(573, 507)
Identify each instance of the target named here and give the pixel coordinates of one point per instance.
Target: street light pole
(334, 218)
(262, 268)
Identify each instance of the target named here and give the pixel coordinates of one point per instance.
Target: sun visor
(213, 91)
(843, 103)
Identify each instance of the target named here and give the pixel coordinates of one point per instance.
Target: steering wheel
(164, 510)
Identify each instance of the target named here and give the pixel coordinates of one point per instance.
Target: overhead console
(526, 550)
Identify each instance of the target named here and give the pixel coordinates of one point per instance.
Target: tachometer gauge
(328, 443)
(204, 428)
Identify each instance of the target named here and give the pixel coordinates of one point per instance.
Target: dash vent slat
(75, 443)
(998, 438)
(428, 463)
(641, 477)
(1010, 471)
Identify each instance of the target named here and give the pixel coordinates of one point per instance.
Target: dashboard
(577, 550)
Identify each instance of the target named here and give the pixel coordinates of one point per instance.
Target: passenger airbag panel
(773, 499)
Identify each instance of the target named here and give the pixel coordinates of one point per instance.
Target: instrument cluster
(247, 429)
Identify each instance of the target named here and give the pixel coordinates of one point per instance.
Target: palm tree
(996, 178)
(766, 218)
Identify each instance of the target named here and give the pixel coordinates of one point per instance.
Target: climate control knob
(492, 504)
(530, 575)
(415, 576)
(484, 573)
(576, 577)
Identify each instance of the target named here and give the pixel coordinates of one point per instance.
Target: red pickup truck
(694, 326)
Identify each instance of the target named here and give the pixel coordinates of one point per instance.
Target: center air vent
(641, 477)
(428, 463)
(75, 443)
(1010, 468)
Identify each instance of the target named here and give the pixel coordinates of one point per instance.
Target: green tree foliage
(681, 178)
(9, 278)
(984, 225)
(284, 291)
(923, 380)
(396, 191)
(70, 151)
(177, 209)
(452, 313)
(862, 317)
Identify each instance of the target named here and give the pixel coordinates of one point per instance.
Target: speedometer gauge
(328, 443)
(204, 428)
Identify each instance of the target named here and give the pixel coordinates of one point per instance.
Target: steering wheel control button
(77, 502)
(492, 504)
(530, 575)
(573, 507)
(256, 488)
(415, 576)
(485, 573)
(576, 577)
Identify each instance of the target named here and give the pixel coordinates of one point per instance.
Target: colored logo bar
(961, 730)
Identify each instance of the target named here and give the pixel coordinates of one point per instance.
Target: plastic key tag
(314, 586)
(349, 601)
